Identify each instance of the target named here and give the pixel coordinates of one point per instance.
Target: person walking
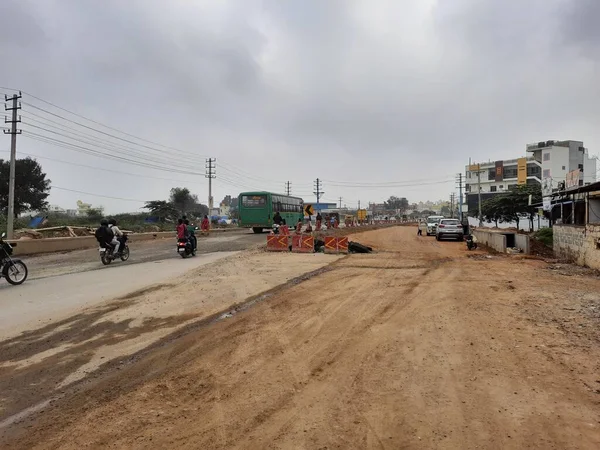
(419, 231)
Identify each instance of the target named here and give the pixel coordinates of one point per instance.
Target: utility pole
(452, 206)
(460, 197)
(318, 192)
(288, 188)
(10, 220)
(340, 202)
(359, 204)
(479, 194)
(211, 166)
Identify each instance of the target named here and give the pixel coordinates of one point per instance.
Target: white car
(432, 223)
(449, 228)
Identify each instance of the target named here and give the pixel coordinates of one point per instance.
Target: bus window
(254, 201)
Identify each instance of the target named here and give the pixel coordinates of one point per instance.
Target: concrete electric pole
(211, 165)
(288, 188)
(460, 197)
(341, 202)
(10, 220)
(479, 194)
(318, 192)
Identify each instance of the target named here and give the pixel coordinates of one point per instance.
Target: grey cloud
(411, 83)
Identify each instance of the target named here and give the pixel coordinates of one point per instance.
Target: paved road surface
(38, 302)
(61, 283)
(144, 251)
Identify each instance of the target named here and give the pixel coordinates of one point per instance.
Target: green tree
(95, 214)
(397, 203)
(445, 211)
(183, 199)
(32, 188)
(491, 210)
(162, 209)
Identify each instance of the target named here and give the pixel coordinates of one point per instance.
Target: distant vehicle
(14, 270)
(256, 209)
(449, 228)
(432, 223)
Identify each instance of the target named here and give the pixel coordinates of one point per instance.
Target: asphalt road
(44, 266)
(61, 284)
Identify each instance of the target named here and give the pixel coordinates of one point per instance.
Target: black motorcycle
(14, 270)
(471, 244)
(108, 254)
(185, 247)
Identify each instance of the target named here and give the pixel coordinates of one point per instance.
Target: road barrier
(303, 244)
(331, 244)
(277, 243)
(342, 245)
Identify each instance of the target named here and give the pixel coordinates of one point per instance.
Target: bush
(545, 236)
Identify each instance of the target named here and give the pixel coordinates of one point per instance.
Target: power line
(98, 195)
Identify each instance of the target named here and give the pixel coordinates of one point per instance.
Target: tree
(396, 203)
(95, 214)
(491, 210)
(162, 209)
(182, 199)
(32, 188)
(512, 206)
(445, 211)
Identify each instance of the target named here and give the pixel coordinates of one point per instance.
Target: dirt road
(420, 345)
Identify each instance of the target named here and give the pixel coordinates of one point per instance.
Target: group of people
(284, 229)
(187, 231)
(110, 236)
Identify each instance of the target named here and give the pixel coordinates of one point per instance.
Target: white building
(500, 176)
(558, 158)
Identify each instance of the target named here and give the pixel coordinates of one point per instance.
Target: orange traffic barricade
(277, 243)
(342, 244)
(303, 244)
(331, 244)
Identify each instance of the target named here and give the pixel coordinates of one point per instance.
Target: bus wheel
(257, 230)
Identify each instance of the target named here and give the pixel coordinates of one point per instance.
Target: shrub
(545, 236)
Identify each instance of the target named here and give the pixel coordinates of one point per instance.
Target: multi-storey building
(548, 161)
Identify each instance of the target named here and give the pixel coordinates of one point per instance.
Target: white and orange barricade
(303, 243)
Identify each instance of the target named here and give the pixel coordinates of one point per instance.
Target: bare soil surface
(421, 345)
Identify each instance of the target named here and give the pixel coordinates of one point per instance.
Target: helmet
(112, 222)
(104, 222)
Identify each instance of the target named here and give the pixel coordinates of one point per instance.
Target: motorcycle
(185, 247)
(108, 255)
(471, 243)
(14, 270)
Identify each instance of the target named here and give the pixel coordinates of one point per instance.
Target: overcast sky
(373, 91)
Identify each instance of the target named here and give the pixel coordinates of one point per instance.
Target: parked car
(449, 228)
(432, 223)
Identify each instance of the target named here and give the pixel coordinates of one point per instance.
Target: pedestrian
(419, 231)
(319, 221)
(299, 227)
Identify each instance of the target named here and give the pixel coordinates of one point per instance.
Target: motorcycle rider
(117, 236)
(191, 230)
(277, 218)
(104, 234)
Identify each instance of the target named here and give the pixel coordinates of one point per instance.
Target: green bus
(256, 209)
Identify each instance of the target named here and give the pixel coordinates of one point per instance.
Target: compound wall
(578, 244)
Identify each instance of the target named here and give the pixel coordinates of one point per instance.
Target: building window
(510, 172)
(491, 174)
(547, 156)
(534, 171)
(492, 188)
(501, 186)
(512, 186)
(564, 168)
(468, 174)
(546, 173)
(467, 188)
